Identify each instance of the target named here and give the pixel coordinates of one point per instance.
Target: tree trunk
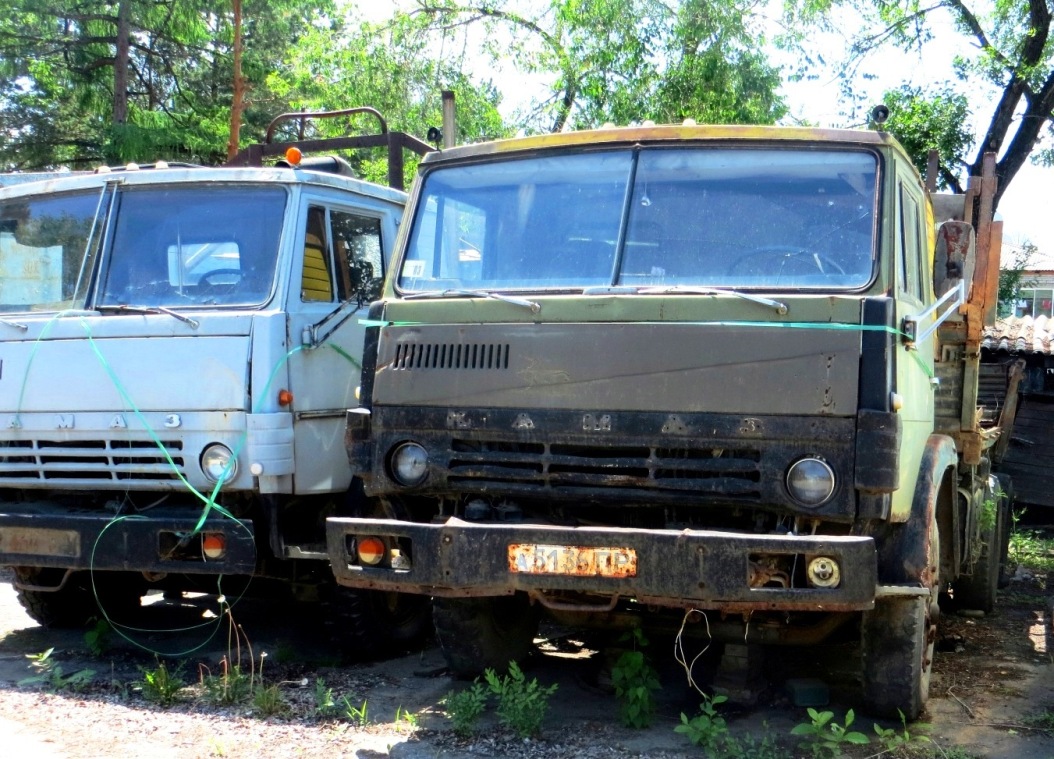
(120, 63)
(238, 97)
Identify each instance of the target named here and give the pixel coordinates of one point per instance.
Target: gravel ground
(991, 674)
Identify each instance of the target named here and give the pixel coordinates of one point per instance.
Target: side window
(357, 242)
(317, 277)
(911, 256)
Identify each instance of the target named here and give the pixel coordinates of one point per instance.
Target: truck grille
(451, 356)
(24, 463)
(474, 464)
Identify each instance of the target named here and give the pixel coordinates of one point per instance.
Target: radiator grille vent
(78, 462)
(451, 356)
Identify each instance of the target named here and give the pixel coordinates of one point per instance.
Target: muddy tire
(371, 624)
(84, 597)
(484, 633)
(897, 642)
(1005, 519)
(978, 589)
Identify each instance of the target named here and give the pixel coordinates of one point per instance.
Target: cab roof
(614, 136)
(72, 181)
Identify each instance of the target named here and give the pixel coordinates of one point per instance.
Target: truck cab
(672, 375)
(179, 347)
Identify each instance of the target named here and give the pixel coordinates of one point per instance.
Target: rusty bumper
(163, 540)
(707, 569)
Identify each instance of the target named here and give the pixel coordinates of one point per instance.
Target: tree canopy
(84, 82)
(1004, 48)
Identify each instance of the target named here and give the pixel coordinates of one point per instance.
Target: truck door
(914, 362)
(338, 272)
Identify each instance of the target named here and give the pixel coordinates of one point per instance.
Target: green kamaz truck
(721, 379)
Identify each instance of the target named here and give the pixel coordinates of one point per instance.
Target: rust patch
(579, 561)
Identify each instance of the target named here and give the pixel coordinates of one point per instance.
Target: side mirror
(954, 258)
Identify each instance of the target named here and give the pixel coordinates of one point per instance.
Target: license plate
(40, 542)
(581, 561)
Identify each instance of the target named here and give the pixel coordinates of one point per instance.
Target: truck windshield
(188, 245)
(44, 250)
(734, 218)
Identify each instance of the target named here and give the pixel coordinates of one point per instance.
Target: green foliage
(707, 728)
(1032, 549)
(751, 747)
(99, 638)
(924, 120)
(522, 705)
(268, 701)
(826, 738)
(159, 685)
(1043, 720)
(893, 740)
(404, 718)
(325, 704)
(231, 686)
(357, 715)
(634, 680)
(1013, 265)
(51, 676)
(465, 707)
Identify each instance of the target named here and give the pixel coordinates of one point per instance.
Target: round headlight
(409, 464)
(217, 461)
(810, 481)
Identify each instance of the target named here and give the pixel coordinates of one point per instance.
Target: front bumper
(53, 535)
(701, 568)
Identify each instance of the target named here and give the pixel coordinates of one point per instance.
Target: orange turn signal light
(214, 545)
(285, 398)
(293, 156)
(371, 551)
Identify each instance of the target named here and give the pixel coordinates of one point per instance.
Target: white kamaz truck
(178, 348)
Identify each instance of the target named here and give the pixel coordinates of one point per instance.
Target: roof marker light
(293, 156)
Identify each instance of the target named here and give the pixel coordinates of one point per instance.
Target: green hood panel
(675, 367)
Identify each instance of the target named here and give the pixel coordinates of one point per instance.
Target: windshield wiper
(781, 308)
(16, 325)
(535, 306)
(123, 309)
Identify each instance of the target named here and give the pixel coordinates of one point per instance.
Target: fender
(903, 548)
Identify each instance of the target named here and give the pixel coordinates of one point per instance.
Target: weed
(325, 705)
(1031, 549)
(1043, 720)
(404, 718)
(826, 738)
(99, 638)
(750, 747)
(521, 705)
(359, 716)
(159, 685)
(634, 680)
(268, 701)
(50, 675)
(231, 687)
(465, 707)
(892, 740)
(708, 727)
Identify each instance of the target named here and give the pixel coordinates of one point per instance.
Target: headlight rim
(796, 495)
(209, 471)
(393, 464)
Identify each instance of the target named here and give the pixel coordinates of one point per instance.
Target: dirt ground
(992, 674)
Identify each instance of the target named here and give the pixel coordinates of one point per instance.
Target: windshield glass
(187, 245)
(43, 247)
(735, 218)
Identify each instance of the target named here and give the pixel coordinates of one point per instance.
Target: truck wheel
(371, 624)
(484, 633)
(1005, 519)
(897, 640)
(74, 604)
(978, 589)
